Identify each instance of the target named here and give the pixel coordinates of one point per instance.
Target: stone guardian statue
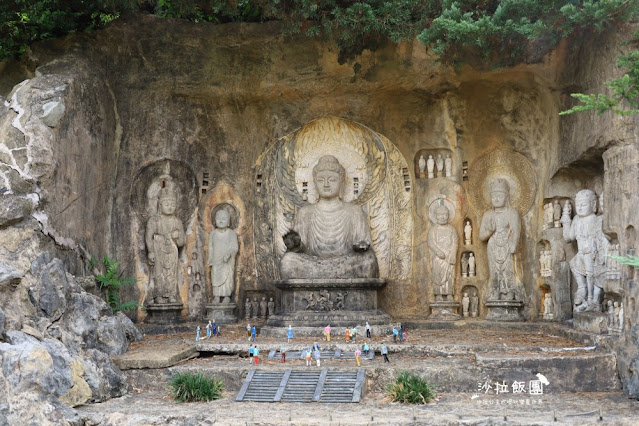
(501, 228)
(164, 237)
(589, 264)
(422, 165)
(223, 248)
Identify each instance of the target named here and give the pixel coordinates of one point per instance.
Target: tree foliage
(624, 91)
(490, 32)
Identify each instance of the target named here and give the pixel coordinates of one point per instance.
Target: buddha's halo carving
(516, 169)
(374, 180)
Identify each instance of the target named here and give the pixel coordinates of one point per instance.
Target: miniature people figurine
(197, 334)
(448, 166)
(422, 165)
(384, 352)
(395, 334)
(366, 349)
(250, 352)
(501, 228)
(557, 214)
(263, 307)
(316, 353)
(247, 309)
(308, 357)
(270, 307)
(248, 331)
(464, 265)
(327, 333)
(223, 248)
(253, 333)
(465, 304)
(358, 357)
(208, 330)
(589, 264)
(354, 333)
(164, 237)
(255, 307)
(368, 330)
(283, 353)
(289, 333)
(334, 234)
(474, 305)
(439, 162)
(347, 334)
(471, 265)
(256, 355)
(215, 329)
(430, 166)
(442, 241)
(468, 233)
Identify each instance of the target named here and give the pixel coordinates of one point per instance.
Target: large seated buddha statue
(331, 238)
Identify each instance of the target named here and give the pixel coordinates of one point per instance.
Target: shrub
(190, 387)
(111, 283)
(409, 388)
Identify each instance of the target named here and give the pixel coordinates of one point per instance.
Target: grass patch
(409, 388)
(190, 387)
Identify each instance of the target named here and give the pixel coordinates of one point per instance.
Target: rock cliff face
(100, 113)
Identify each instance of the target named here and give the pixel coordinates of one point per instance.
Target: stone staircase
(302, 385)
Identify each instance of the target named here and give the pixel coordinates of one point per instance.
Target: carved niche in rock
(442, 242)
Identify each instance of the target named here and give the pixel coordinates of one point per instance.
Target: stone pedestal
(444, 311)
(504, 310)
(222, 313)
(592, 322)
(164, 313)
(338, 302)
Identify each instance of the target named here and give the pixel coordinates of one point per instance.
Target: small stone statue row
(444, 166)
(615, 316)
(552, 214)
(470, 305)
(613, 271)
(545, 261)
(468, 265)
(262, 309)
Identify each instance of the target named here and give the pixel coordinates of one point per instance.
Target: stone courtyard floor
(149, 402)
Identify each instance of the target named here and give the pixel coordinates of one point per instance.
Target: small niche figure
(270, 307)
(255, 306)
(464, 265)
(474, 305)
(448, 166)
(620, 318)
(422, 165)
(465, 304)
(548, 215)
(247, 309)
(610, 310)
(368, 330)
(197, 334)
(430, 166)
(440, 165)
(290, 333)
(263, 307)
(468, 233)
(471, 265)
(616, 317)
(548, 314)
(557, 214)
(208, 330)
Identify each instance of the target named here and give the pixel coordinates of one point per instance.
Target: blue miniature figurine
(290, 333)
(253, 334)
(197, 334)
(214, 327)
(208, 330)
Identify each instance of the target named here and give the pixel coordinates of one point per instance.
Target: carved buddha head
(329, 177)
(168, 201)
(222, 219)
(499, 193)
(585, 202)
(441, 214)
